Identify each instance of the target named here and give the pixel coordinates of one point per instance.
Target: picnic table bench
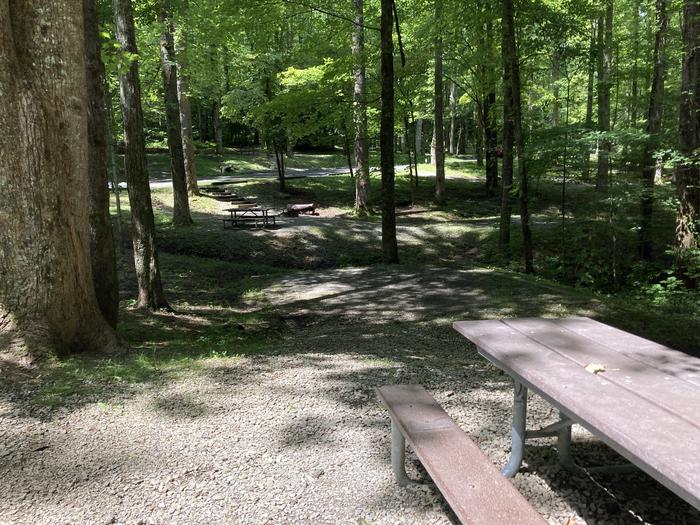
(474, 488)
(639, 397)
(250, 214)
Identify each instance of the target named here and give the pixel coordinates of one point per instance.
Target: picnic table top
(640, 397)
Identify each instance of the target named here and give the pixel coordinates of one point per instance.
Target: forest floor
(254, 401)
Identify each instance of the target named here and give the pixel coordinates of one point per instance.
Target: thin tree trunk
(512, 62)
(216, 124)
(489, 123)
(386, 135)
(181, 204)
(653, 128)
(479, 134)
(589, 98)
(47, 296)
(688, 173)
(359, 112)
(439, 132)
(142, 223)
(507, 48)
(186, 112)
(453, 118)
(103, 255)
(556, 77)
(419, 140)
(604, 84)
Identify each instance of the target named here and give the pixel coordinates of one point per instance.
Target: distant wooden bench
(473, 487)
(293, 210)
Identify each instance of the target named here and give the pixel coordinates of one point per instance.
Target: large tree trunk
(589, 98)
(688, 173)
(511, 62)
(103, 255)
(605, 32)
(453, 118)
(419, 141)
(359, 112)
(653, 128)
(386, 135)
(143, 231)
(181, 204)
(186, 113)
(439, 130)
(47, 296)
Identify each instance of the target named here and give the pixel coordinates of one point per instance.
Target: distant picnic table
(247, 214)
(639, 397)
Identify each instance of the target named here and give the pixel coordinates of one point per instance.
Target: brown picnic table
(639, 397)
(247, 214)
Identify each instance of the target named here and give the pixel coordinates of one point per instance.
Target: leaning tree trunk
(511, 61)
(604, 84)
(181, 204)
(653, 128)
(143, 231)
(47, 296)
(439, 130)
(386, 135)
(186, 113)
(688, 172)
(359, 111)
(103, 255)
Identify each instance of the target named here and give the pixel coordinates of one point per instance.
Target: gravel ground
(296, 435)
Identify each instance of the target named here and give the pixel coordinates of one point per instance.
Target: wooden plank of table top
(677, 396)
(475, 489)
(664, 445)
(672, 362)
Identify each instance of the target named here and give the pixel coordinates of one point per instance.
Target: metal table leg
(398, 455)
(518, 431)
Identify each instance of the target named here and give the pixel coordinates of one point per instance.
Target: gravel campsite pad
(295, 434)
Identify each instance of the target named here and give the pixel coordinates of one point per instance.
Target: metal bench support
(518, 430)
(398, 455)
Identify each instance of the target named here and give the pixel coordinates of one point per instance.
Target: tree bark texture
(47, 295)
(186, 113)
(605, 32)
(653, 128)
(181, 204)
(143, 230)
(512, 62)
(439, 130)
(359, 111)
(386, 135)
(102, 251)
(688, 172)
